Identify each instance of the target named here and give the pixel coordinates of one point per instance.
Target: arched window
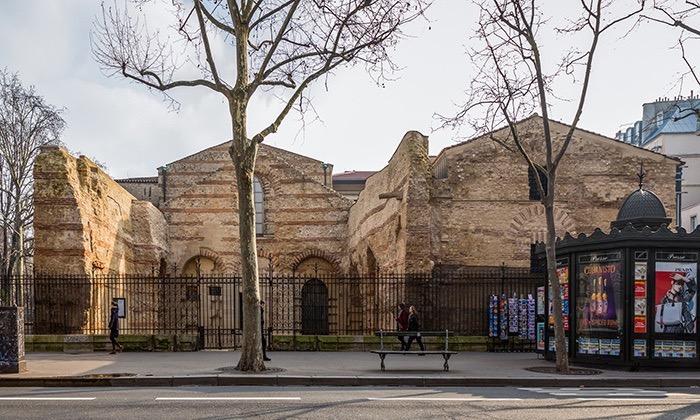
(259, 199)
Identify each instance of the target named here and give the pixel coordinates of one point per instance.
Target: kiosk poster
(540, 300)
(600, 296)
(640, 348)
(640, 297)
(540, 336)
(563, 275)
(675, 298)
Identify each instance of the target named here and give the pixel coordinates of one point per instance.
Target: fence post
(503, 277)
(294, 311)
(271, 299)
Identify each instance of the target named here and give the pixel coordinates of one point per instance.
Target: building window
(259, 199)
(693, 222)
(659, 118)
(532, 181)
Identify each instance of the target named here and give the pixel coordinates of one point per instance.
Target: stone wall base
(367, 343)
(100, 343)
(89, 343)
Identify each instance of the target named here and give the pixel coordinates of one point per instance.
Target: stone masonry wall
(389, 223)
(86, 223)
(482, 214)
(304, 219)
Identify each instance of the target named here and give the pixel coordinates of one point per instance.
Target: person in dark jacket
(402, 322)
(414, 325)
(114, 328)
(262, 329)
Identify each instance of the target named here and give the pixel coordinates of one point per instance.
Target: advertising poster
(640, 297)
(675, 298)
(615, 347)
(540, 300)
(600, 295)
(593, 346)
(540, 336)
(667, 348)
(563, 275)
(677, 349)
(582, 345)
(640, 348)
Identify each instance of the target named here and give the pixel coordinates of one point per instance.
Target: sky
(133, 131)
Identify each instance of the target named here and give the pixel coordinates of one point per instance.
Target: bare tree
(513, 82)
(278, 46)
(27, 122)
(684, 15)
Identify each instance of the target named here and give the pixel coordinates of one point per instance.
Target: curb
(395, 381)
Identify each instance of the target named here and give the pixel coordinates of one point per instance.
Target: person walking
(402, 322)
(414, 325)
(114, 328)
(262, 330)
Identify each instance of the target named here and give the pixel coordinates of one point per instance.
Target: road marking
(442, 399)
(228, 398)
(47, 398)
(613, 394)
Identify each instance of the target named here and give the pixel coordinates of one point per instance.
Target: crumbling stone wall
(390, 221)
(85, 223)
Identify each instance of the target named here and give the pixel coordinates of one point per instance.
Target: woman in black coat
(114, 328)
(414, 325)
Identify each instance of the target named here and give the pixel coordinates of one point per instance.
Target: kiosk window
(599, 303)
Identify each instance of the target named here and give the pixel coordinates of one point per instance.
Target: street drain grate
(572, 371)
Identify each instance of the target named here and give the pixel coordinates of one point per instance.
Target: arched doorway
(314, 308)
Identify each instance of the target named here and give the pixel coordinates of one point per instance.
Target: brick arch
(212, 255)
(269, 182)
(529, 224)
(315, 253)
(265, 182)
(269, 178)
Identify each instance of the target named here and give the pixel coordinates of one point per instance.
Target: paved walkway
(496, 369)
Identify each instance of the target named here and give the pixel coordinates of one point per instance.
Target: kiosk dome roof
(641, 204)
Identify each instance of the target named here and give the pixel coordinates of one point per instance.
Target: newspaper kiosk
(629, 296)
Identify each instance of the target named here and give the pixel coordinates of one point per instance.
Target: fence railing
(212, 306)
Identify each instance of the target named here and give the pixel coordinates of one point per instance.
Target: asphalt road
(355, 403)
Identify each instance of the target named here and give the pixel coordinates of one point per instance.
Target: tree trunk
(243, 153)
(560, 339)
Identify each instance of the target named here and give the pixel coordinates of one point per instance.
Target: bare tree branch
(281, 45)
(512, 83)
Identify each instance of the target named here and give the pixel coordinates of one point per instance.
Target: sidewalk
(318, 368)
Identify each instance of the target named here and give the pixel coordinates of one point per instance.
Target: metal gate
(220, 312)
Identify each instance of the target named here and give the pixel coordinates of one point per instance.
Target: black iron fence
(211, 306)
